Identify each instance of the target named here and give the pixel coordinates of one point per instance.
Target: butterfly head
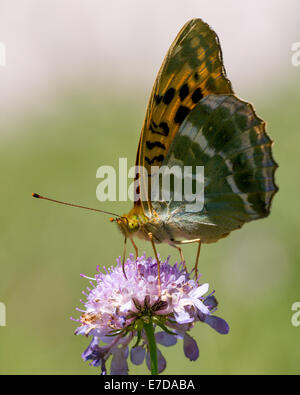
(129, 223)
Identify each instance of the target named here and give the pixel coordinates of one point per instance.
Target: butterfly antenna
(36, 195)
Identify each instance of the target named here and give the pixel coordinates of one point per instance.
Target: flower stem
(149, 329)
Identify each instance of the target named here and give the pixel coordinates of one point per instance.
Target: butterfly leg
(124, 256)
(158, 262)
(136, 252)
(135, 248)
(181, 256)
(197, 260)
(198, 251)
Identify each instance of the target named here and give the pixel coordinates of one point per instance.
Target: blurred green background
(55, 151)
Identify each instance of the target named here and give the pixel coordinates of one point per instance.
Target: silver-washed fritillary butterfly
(195, 119)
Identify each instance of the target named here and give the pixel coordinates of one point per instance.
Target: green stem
(149, 329)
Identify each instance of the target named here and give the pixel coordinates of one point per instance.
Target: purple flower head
(118, 307)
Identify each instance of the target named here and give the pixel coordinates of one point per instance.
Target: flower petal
(137, 355)
(211, 302)
(190, 347)
(182, 317)
(200, 306)
(162, 363)
(217, 323)
(165, 339)
(81, 330)
(126, 306)
(119, 364)
(92, 350)
(181, 279)
(199, 291)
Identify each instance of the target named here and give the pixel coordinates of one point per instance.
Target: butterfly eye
(133, 225)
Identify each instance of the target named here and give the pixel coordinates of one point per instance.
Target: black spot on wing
(168, 96)
(151, 145)
(162, 129)
(197, 95)
(184, 91)
(181, 113)
(158, 158)
(259, 204)
(164, 126)
(157, 99)
(244, 181)
(239, 162)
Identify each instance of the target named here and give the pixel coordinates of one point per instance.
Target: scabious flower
(121, 309)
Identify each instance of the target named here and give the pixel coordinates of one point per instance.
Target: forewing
(192, 69)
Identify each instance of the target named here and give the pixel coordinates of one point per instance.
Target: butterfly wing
(192, 69)
(223, 134)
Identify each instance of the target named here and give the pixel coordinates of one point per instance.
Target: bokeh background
(73, 95)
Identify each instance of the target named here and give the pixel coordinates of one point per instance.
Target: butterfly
(194, 118)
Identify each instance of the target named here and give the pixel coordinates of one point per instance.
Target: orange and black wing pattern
(192, 69)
